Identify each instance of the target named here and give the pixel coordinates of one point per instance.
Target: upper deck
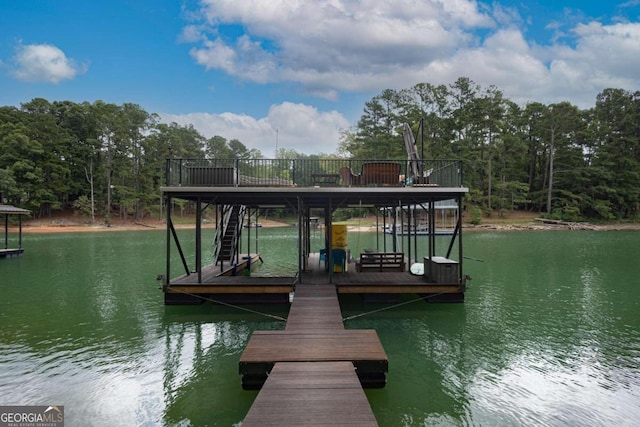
(256, 182)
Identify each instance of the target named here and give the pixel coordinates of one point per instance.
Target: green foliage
(511, 195)
(475, 215)
(558, 159)
(82, 206)
(554, 158)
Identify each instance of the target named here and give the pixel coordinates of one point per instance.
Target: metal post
(6, 231)
(300, 242)
(199, 239)
(329, 220)
(422, 144)
(168, 248)
(255, 225)
(460, 240)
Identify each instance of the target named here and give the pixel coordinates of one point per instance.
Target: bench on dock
(212, 176)
(372, 173)
(381, 261)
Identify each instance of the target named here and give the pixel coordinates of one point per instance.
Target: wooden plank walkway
(314, 368)
(317, 307)
(311, 393)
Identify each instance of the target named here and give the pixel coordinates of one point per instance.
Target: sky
(294, 73)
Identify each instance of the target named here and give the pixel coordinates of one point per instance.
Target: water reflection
(200, 364)
(549, 335)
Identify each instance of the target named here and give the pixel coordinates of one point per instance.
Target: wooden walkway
(313, 368)
(311, 393)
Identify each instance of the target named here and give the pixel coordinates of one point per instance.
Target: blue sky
(294, 72)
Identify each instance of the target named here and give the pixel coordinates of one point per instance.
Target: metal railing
(309, 172)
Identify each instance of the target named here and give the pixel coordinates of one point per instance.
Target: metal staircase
(227, 237)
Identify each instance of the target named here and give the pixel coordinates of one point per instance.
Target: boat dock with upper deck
(312, 371)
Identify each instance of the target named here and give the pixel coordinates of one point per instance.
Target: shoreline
(68, 226)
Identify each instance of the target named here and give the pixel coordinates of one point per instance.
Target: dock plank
(335, 345)
(315, 307)
(311, 394)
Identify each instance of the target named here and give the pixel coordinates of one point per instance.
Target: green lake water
(549, 334)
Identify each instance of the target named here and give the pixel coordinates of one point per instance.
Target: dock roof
(12, 210)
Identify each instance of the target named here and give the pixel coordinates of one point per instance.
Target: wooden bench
(373, 173)
(380, 173)
(381, 261)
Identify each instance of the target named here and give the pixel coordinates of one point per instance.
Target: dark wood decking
(317, 308)
(313, 366)
(390, 283)
(386, 282)
(269, 347)
(312, 393)
(212, 281)
(350, 282)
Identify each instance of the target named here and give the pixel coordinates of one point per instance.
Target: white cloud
(44, 63)
(299, 127)
(334, 46)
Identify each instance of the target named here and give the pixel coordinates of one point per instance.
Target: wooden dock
(215, 283)
(6, 211)
(311, 393)
(313, 371)
(10, 252)
(211, 284)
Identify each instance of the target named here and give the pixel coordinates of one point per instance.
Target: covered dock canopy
(6, 211)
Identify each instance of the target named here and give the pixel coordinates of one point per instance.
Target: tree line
(570, 163)
(98, 158)
(565, 162)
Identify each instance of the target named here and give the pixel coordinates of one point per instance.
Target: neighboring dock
(6, 211)
(313, 370)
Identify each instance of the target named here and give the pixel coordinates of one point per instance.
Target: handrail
(301, 172)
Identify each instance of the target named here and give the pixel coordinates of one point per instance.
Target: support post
(199, 239)
(168, 240)
(6, 231)
(300, 240)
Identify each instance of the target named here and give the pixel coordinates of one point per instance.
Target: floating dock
(6, 211)
(313, 371)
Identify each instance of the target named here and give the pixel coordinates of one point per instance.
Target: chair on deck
(348, 177)
(322, 257)
(339, 257)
